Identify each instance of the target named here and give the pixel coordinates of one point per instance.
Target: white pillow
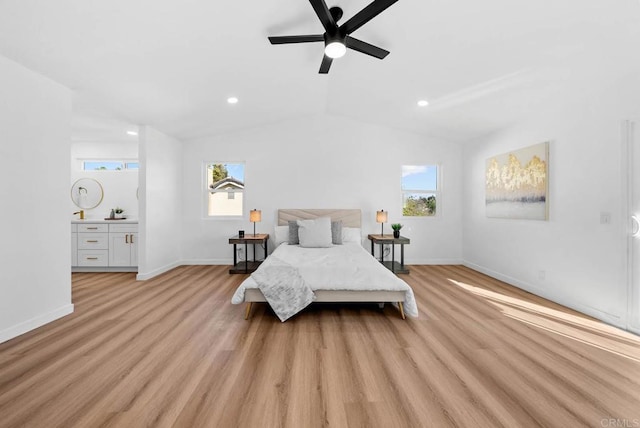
(351, 234)
(315, 233)
(281, 235)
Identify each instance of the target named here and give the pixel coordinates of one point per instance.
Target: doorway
(631, 174)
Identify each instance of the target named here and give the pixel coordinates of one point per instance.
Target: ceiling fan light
(335, 50)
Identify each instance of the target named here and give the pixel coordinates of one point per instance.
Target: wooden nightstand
(392, 265)
(248, 266)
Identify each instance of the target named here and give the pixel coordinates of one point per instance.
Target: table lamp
(255, 216)
(381, 217)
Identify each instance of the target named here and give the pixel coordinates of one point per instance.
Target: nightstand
(392, 265)
(248, 266)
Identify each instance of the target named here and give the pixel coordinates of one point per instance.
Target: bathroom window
(420, 190)
(109, 165)
(225, 189)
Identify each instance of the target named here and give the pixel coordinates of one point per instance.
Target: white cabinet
(93, 227)
(93, 241)
(88, 258)
(93, 244)
(104, 246)
(74, 245)
(123, 245)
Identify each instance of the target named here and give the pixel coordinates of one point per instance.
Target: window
(225, 189)
(420, 190)
(108, 165)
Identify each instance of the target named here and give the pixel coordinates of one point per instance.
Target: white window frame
(435, 192)
(206, 191)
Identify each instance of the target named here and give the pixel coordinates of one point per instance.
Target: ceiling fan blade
(326, 64)
(280, 40)
(324, 15)
(365, 15)
(365, 48)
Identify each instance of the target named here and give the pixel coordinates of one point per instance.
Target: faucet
(81, 212)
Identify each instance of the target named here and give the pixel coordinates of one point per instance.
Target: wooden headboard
(350, 218)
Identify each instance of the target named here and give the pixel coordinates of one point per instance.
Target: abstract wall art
(517, 185)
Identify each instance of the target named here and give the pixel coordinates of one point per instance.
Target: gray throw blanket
(284, 289)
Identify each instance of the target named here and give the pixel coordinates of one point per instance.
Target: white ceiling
(172, 64)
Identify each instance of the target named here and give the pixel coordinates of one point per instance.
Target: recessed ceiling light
(232, 100)
(134, 133)
(423, 103)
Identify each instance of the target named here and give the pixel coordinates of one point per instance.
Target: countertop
(99, 220)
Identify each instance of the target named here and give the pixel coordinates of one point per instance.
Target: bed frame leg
(401, 307)
(248, 311)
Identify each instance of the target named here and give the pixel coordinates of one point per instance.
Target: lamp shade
(255, 216)
(381, 216)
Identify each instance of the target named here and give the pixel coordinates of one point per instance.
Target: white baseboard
(33, 323)
(104, 269)
(561, 299)
(143, 276)
(229, 262)
(217, 262)
(148, 275)
(432, 261)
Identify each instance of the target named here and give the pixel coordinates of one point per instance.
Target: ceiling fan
(337, 38)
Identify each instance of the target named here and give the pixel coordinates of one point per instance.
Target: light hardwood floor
(174, 352)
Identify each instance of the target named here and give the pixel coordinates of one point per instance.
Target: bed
(335, 273)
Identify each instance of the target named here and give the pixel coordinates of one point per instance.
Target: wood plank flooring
(174, 352)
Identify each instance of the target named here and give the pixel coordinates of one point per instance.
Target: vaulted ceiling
(173, 64)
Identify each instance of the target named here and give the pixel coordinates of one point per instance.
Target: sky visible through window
(419, 177)
(235, 170)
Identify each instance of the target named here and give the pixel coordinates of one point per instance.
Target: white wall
(322, 162)
(582, 259)
(35, 278)
(160, 203)
(120, 187)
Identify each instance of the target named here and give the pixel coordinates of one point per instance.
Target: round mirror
(86, 193)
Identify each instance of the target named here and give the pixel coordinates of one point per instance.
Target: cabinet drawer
(124, 228)
(98, 241)
(93, 227)
(93, 257)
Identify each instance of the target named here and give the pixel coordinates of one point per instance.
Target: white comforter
(340, 267)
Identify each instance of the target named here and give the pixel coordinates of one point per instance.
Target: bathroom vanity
(104, 245)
